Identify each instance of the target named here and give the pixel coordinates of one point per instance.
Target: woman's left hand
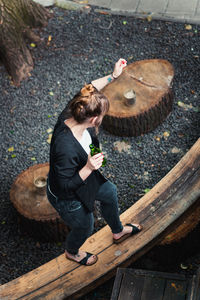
(120, 64)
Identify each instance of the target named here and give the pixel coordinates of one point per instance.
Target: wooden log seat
(149, 82)
(159, 211)
(37, 217)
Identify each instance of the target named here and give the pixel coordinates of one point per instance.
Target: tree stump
(18, 19)
(140, 98)
(37, 217)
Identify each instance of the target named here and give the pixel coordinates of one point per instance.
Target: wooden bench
(135, 284)
(160, 212)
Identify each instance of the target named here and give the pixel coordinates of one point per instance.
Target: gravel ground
(85, 46)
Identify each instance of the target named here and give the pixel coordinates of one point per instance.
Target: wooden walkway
(150, 285)
(160, 211)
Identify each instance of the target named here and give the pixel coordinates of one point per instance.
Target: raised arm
(100, 83)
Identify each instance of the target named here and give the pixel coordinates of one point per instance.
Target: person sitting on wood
(74, 180)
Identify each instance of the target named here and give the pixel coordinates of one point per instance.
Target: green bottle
(94, 150)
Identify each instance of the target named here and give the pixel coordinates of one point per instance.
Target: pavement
(170, 10)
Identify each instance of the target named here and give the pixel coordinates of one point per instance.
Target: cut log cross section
(150, 83)
(36, 215)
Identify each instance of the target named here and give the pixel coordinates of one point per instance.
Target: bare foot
(81, 255)
(126, 229)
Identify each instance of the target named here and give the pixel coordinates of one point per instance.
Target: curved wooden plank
(159, 211)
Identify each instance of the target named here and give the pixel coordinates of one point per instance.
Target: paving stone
(68, 4)
(180, 6)
(198, 9)
(101, 3)
(158, 6)
(124, 5)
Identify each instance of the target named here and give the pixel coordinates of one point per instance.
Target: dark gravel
(85, 46)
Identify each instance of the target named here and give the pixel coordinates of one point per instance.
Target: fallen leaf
(38, 245)
(131, 186)
(33, 45)
(49, 40)
(49, 116)
(49, 138)
(146, 190)
(184, 267)
(51, 93)
(166, 134)
(13, 155)
(12, 109)
(124, 22)
(149, 18)
(33, 158)
(175, 150)
(187, 106)
(11, 149)
(49, 130)
(157, 138)
(122, 146)
(174, 286)
(181, 135)
(103, 12)
(188, 27)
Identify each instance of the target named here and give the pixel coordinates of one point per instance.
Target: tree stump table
(37, 217)
(140, 98)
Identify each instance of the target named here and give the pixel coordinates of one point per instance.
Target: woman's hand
(120, 64)
(95, 162)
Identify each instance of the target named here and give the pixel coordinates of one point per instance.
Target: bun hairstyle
(88, 103)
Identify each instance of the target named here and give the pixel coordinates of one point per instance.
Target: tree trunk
(18, 19)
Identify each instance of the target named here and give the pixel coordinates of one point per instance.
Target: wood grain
(151, 81)
(160, 211)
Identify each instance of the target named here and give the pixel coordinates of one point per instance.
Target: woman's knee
(111, 192)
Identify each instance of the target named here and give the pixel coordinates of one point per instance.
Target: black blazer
(67, 157)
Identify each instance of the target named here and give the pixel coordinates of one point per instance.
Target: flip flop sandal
(85, 259)
(135, 230)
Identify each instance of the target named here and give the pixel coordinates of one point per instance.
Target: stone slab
(158, 6)
(182, 6)
(101, 3)
(68, 4)
(198, 9)
(124, 5)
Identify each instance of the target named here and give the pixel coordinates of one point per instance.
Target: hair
(88, 103)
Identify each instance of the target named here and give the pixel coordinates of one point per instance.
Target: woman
(74, 180)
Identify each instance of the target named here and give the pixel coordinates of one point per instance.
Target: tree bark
(18, 20)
